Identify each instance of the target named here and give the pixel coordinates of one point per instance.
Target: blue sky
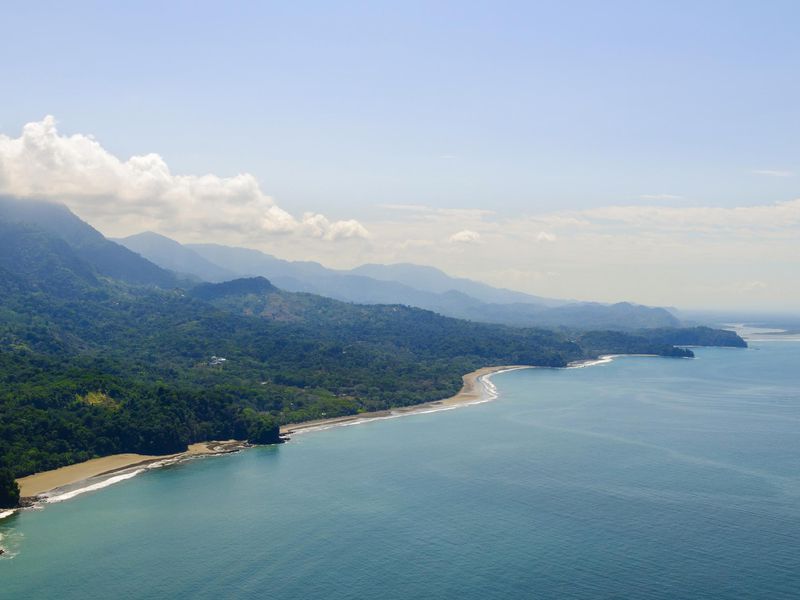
(524, 109)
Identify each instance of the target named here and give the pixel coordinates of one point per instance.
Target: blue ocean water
(643, 478)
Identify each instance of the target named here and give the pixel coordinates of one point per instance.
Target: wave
(60, 497)
(489, 394)
(6, 513)
(603, 360)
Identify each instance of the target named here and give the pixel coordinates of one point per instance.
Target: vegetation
(9, 490)
(91, 366)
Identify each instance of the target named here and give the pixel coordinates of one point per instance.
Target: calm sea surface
(643, 478)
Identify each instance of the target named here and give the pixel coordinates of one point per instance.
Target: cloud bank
(77, 170)
(690, 256)
(464, 236)
(656, 252)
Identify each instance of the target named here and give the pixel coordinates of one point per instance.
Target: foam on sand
(60, 497)
(478, 388)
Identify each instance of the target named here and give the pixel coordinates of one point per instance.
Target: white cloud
(777, 216)
(420, 211)
(544, 236)
(659, 253)
(773, 173)
(319, 226)
(142, 191)
(465, 236)
(743, 256)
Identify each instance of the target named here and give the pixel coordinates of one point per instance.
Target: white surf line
(489, 394)
(124, 474)
(7, 513)
(56, 495)
(603, 360)
(609, 358)
(60, 497)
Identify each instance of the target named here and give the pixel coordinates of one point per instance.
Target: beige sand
(471, 391)
(39, 483)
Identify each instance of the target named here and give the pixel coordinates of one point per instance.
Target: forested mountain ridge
(431, 289)
(414, 285)
(91, 365)
(106, 257)
(258, 297)
(434, 280)
(171, 255)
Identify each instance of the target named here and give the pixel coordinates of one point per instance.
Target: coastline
(477, 388)
(601, 360)
(39, 486)
(472, 392)
(66, 482)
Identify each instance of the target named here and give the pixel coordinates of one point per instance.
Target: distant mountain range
(412, 285)
(104, 352)
(152, 259)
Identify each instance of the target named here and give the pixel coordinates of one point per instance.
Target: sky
(640, 151)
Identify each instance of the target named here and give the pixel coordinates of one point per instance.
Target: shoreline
(473, 391)
(476, 389)
(40, 486)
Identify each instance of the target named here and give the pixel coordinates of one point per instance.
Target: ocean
(642, 478)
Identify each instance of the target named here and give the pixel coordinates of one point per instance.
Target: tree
(9, 490)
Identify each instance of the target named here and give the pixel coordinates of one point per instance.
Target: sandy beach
(472, 391)
(46, 481)
(39, 483)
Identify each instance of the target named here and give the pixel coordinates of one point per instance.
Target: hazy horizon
(643, 154)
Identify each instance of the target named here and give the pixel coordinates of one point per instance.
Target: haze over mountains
(413, 285)
(153, 259)
(107, 257)
(103, 352)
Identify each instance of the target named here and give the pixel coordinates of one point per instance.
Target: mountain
(257, 297)
(412, 285)
(91, 365)
(237, 287)
(32, 260)
(622, 315)
(88, 244)
(449, 296)
(430, 279)
(171, 255)
(246, 261)
(311, 277)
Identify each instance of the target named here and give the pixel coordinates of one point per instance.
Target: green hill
(91, 365)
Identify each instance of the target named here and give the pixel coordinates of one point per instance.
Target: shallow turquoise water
(643, 478)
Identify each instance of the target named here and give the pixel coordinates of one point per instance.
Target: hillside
(430, 279)
(106, 371)
(90, 365)
(171, 255)
(105, 257)
(412, 285)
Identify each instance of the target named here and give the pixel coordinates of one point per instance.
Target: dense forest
(92, 365)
